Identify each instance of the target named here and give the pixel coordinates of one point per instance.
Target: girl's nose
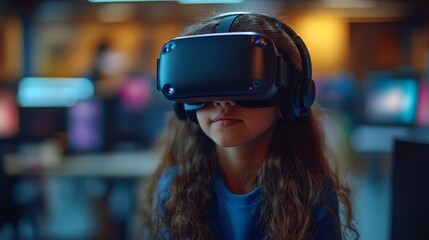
(218, 103)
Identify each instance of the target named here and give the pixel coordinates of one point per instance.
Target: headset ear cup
(309, 94)
(179, 110)
(297, 103)
(305, 95)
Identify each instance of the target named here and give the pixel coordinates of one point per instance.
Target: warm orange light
(326, 37)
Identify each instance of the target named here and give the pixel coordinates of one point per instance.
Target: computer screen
(132, 105)
(85, 127)
(44, 102)
(410, 198)
(53, 92)
(390, 100)
(40, 123)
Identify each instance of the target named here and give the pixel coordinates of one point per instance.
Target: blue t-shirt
(235, 216)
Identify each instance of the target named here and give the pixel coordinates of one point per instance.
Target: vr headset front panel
(233, 66)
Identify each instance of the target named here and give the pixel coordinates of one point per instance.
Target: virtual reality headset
(240, 66)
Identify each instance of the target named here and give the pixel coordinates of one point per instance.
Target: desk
(380, 139)
(377, 139)
(116, 164)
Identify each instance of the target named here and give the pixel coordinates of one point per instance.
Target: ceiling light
(208, 1)
(103, 1)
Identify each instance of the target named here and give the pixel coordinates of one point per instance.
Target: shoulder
(326, 213)
(329, 194)
(166, 178)
(161, 196)
(328, 201)
(163, 186)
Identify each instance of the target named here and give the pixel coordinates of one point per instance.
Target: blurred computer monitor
(132, 105)
(85, 125)
(389, 99)
(44, 102)
(40, 123)
(410, 198)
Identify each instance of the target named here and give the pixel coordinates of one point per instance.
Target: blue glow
(392, 100)
(53, 92)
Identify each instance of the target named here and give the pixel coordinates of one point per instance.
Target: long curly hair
(291, 179)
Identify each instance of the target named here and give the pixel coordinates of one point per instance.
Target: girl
(234, 172)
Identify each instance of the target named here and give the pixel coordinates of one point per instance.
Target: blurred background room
(79, 109)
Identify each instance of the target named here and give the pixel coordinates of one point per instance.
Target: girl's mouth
(226, 121)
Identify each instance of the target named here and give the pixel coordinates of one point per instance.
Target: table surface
(115, 164)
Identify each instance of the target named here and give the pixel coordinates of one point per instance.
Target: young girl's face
(229, 124)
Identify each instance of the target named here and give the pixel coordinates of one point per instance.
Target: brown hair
(292, 180)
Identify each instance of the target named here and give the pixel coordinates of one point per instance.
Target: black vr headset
(244, 67)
